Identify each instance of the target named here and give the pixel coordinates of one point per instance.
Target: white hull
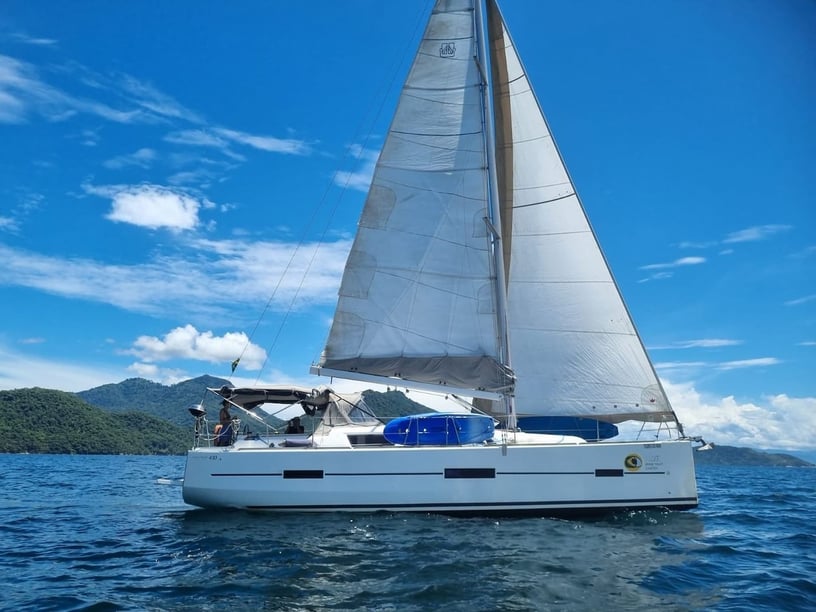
(541, 479)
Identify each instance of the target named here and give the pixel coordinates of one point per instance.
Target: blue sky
(160, 163)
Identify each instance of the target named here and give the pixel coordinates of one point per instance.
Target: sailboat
(476, 274)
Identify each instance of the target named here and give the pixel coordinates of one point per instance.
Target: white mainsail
(418, 297)
(417, 300)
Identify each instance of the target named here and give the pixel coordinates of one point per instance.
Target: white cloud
(23, 92)
(700, 343)
(696, 245)
(683, 261)
(32, 341)
(145, 370)
(806, 252)
(656, 276)
(361, 178)
(22, 37)
(188, 343)
(196, 138)
(143, 158)
(752, 234)
(150, 98)
(265, 143)
(168, 285)
(18, 370)
(720, 366)
(777, 421)
(221, 138)
(748, 363)
(801, 300)
(149, 206)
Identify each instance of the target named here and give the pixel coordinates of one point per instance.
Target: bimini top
(251, 397)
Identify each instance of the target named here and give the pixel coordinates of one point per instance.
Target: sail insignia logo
(447, 49)
(633, 462)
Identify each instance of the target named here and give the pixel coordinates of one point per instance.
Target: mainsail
(418, 297)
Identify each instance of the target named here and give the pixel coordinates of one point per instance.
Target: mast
(494, 209)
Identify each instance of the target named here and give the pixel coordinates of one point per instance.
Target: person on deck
(224, 417)
(223, 431)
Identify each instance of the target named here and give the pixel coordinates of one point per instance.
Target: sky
(180, 184)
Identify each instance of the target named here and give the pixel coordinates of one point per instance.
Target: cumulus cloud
(149, 206)
(774, 422)
(155, 207)
(189, 343)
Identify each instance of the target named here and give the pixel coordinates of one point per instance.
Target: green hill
(392, 404)
(735, 455)
(47, 421)
(168, 402)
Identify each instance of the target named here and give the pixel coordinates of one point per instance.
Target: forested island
(48, 421)
(137, 416)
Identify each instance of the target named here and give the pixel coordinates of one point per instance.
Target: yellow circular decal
(633, 462)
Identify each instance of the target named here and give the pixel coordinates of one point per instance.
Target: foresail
(575, 350)
(416, 300)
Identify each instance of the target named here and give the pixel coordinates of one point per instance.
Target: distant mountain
(734, 455)
(165, 401)
(48, 421)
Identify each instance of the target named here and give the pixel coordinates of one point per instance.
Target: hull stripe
(603, 504)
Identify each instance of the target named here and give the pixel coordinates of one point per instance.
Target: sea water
(102, 533)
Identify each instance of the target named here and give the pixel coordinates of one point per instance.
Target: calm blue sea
(99, 533)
